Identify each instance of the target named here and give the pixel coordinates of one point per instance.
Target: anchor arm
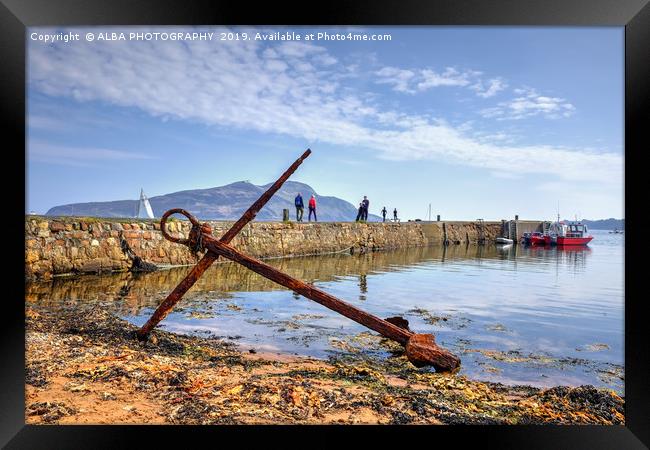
(174, 296)
(421, 349)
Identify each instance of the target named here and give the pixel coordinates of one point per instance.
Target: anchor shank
(264, 198)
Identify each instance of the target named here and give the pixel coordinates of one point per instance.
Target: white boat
(502, 240)
(144, 207)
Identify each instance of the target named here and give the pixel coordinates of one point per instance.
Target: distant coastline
(606, 224)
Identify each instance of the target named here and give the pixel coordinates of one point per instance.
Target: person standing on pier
(383, 213)
(360, 212)
(312, 208)
(300, 206)
(395, 214)
(366, 205)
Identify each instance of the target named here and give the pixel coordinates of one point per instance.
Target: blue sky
(481, 122)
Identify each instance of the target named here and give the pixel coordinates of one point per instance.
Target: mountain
(606, 224)
(223, 203)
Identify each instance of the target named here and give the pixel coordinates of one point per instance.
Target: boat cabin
(568, 229)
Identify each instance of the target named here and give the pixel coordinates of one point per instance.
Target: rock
(107, 396)
(31, 256)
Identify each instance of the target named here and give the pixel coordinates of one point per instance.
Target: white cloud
(418, 80)
(39, 151)
(240, 85)
(530, 103)
(276, 65)
(494, 86)
(450, 77)
(399, 78)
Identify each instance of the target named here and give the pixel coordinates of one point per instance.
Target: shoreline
(84, 366)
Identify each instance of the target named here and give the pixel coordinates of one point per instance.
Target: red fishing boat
(537, 238)
(568, 233)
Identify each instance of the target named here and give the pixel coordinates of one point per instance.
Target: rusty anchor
(421, 349)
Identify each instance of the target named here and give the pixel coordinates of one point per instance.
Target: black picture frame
(634, 15)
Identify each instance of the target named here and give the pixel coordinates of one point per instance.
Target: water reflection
(137, 290)
(363, 286)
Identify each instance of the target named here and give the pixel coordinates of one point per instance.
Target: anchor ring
(163, 224)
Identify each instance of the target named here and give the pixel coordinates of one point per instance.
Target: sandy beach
(85, 366)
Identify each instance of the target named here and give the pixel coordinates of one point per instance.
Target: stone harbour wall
(72, 245)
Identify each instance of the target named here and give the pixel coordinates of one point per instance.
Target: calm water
(515, 315)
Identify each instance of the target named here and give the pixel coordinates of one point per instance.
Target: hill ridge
(227, 202)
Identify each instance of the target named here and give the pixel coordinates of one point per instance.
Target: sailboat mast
(137, 211)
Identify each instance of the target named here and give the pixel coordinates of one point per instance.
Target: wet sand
(85, 366)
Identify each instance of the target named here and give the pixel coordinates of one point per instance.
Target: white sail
(144, 207)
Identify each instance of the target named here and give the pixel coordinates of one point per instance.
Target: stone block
(61, 265)
(55, 227)
(93, 265)
(131, 234)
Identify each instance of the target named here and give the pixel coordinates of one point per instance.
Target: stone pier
(75, 245)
